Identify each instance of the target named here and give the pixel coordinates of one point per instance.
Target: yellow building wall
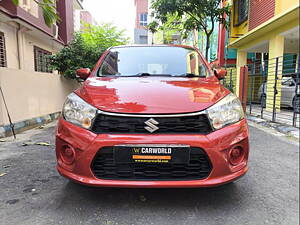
(284, 5)
(238, 31)
(280, 7)
(276, 49)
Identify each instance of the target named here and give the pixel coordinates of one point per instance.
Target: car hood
(152, 95)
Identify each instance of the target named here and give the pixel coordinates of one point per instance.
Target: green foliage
(103, 36)
(78, 54)
(172, 26)
(16, 2)
(49, 10)
(153, 26)
(86, 48)
(194, 14)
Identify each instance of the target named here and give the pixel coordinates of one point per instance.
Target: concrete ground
(32, 192)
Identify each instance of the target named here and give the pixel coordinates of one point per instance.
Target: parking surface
(32, 192)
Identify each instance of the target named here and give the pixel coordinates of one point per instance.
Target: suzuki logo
(151, 125)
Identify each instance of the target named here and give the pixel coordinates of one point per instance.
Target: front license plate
(178, 154)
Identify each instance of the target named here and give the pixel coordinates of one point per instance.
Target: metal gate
(271, 89)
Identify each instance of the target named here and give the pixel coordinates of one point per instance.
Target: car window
(130, 61)
(195, 65)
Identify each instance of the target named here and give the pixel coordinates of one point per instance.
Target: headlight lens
(78, 112)
(227, 111)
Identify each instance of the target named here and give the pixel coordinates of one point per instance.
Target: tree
(85, 49)
(49, 10)
(172, 26)
(103, 36)
(195, 14)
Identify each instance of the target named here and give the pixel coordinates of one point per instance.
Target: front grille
(107, 124)
(104, 167)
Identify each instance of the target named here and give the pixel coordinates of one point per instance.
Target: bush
(86, 48)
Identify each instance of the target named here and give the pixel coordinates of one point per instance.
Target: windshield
(153, 61)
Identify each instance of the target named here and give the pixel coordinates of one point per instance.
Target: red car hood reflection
(152, 95)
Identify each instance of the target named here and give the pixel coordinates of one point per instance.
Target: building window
(143, 19)
(3, 62)
(41, 60)
(143, 39)
(240, 11)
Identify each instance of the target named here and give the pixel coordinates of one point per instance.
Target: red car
(152, 116)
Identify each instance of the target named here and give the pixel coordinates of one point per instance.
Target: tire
(263, 100)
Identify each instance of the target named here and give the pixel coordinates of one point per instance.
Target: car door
(287, 92)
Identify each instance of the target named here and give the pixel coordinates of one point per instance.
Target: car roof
(153, 45)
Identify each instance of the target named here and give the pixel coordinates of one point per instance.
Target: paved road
(31, 191)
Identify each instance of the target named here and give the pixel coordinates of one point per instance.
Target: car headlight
(77, 111)
(227, 111)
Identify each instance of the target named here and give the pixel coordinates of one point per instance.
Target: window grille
(3, 62)
(41, 60)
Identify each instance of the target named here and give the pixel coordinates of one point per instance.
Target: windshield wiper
(159, 75)
(191, 75)
(144, 75)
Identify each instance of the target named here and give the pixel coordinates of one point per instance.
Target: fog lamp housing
(68, 154)
(236, 155)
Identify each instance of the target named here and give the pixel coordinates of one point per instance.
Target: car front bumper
(217, 144)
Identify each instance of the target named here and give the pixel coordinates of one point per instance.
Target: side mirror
(220, 73)
(83, 73)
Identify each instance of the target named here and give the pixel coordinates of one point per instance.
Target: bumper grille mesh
(104, 167)
(107, 124)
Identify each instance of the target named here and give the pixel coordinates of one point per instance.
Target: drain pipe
(19, 32)
(18, 45)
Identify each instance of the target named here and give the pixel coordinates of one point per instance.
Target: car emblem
(151, 125)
